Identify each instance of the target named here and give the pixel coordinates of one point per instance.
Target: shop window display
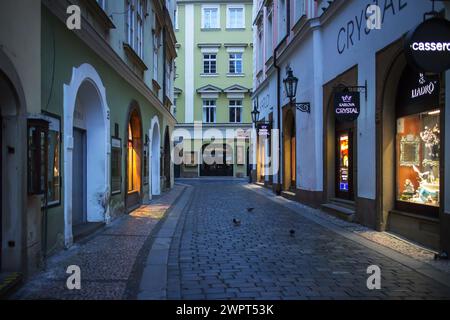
(344, 163)
(418, 157)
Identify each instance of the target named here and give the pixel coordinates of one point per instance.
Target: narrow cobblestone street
(213, 258)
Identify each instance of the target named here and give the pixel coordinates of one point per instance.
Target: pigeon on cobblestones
(250, 209)
(237, 222)
(292, 233)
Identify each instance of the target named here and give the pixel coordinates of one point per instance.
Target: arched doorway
(134, 158)
(340, 147)
(410, 155)
(289, 150)
(167, 166)
(261, 159)
(12, 168)
(155, 157)
(217, 160)
(86, 151)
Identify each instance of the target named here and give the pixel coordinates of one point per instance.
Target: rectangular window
(135, 25)
(418, 158)
(54, 162)
(209, 63)
(116, 167)
(235, 111)
(281, 19)
(269, 34)
(236, 63)
(235, 17)
(156, 46)
(209, 111)
(210, 18)
(260, 48)
(176, 18)
(299, 9)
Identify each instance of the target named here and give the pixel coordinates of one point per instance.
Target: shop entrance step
(344, 212)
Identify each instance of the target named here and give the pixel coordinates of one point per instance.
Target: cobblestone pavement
(386, 239)
(212, 258)
(106, 259)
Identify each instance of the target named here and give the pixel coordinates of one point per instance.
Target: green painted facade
(63, 50)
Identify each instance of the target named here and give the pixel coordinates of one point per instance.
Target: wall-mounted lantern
(290, 85)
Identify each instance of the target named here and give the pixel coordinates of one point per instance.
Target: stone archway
(134, 152)
(167, 160)
(13, 227)
(289, 150)
(155, 157)
(86, 110)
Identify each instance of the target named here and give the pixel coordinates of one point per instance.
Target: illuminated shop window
(54, 169)
(418, 157)
(344, 163)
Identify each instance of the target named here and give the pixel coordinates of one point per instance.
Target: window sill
(134, 57)
(269, 62)
(210, 29)
(235, 29)
(209, 75)
(100, 15)
(156, 85)
(235, 75)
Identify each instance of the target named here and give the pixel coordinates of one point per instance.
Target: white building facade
(360, 170)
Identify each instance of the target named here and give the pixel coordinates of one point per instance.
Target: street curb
(153, 282)
(418, 266)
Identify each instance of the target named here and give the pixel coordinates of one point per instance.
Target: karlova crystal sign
(346, 106)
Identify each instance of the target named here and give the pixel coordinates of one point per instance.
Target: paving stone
(260, 260)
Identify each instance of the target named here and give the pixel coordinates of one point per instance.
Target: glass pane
(418, 158)
(232, 114)
(54, 193)
(344, 163)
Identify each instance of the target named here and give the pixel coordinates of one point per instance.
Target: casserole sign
(428, 46)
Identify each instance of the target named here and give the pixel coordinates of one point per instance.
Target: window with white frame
(210, 17)
(176, 18)
(209, 63)
(269, 32)
(209, 111)
(156, 46)
(235, 17)
(260, 48)
(281, 19)
(235, 63)
(235, 111)
(299, 9)
(135, 25)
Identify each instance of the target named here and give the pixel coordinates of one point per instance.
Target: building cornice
(98, 44)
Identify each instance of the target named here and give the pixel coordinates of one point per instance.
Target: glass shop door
(344, 164)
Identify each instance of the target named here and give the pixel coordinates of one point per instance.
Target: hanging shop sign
(418, 89)
(264, 129)
(346, 106)
(427, 47)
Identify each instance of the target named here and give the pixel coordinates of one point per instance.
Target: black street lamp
(290, 84)
(255, 113)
